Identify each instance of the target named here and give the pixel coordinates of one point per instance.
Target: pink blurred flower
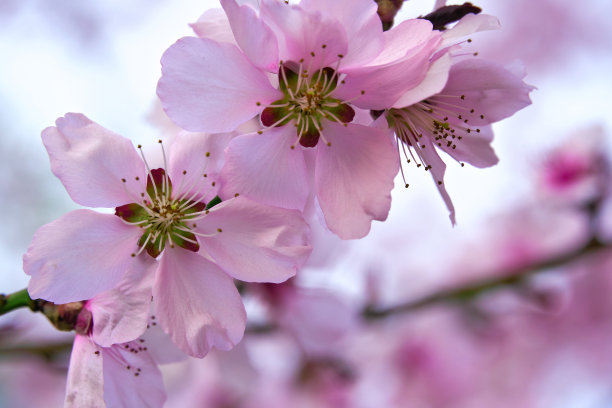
(577, 170)
(305, 69)
(453, 108)
(85, 253)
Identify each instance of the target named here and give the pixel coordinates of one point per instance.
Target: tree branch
(472, 290)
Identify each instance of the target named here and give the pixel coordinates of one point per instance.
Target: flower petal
(131, 377)
(253, 35)
(469, 24)
(195, 162)
(434, 81)
(91, 162)
(265, 168)
(254, 242)
(361, 23)
(197, 303)
(380, 86)
(354, 178)
(214, 25)
(79, 255)
(304, 34)
(437, 170)
(85, 384)
(120, 314)
(407, 38)
(211, 87)
(488, 88)
(474, 148)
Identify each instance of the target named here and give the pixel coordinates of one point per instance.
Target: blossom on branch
(168, 215)
(306, 70)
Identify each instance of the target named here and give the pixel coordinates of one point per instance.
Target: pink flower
(110, 365)
(197, 249)
(305, 70)
(576, 172)
(452, 109)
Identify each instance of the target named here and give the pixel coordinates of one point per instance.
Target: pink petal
(257, 243)
(265, 168)
(361, 23)
(488, 88)
(469, 24)
(85, 384)
(197, 303)
(214, 25)
(474, 148)
(380, 86)
(254, 37)
(434, 81)
(194, 162)
(437, 170)
(131, 377)
(120, 314)
(159, 345)
(211, 87)
(302, 33)
(407, 38)
(354, 178)
(92, 161)
(79, 255)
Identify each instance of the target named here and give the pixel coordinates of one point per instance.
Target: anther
(340, 56)
(159, 141)
(207, 154)
(97, 352)
(312, 54)
(133, 254)
(236, 195)
(439, 183)
(462, 97)
(123, 180)
(184, 172)
(258, 103)
(323, 46)
(219, 230)
(259, 132)
(213, 183)
(469, 40)
(292, 147)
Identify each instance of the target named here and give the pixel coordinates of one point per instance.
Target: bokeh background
(508, 348)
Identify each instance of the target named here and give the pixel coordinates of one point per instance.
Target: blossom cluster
(283, 111)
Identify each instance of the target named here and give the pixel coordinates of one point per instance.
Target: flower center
(164, 219)
(307, 102)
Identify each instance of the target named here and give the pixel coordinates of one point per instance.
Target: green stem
(16, 300)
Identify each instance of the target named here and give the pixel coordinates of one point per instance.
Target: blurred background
(543, 340)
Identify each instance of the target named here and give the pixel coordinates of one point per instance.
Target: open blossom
(453, 107)
(110, 364)
(164, 214)
(305, 70)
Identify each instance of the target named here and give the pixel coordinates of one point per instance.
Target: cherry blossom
(164, 214)
(306, 70)
(452, 109)
(110, 364)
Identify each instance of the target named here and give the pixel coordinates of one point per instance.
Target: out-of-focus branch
(470, 291)
(48, 351)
